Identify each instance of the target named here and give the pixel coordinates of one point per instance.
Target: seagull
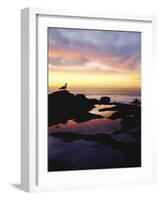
(63, 87)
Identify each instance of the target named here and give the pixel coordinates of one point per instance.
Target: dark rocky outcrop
(130, 115)
(108, 109)
(136, 102)
(104, 100)
(125, 110)
(94, 101)
(63, 105)
(58, 103)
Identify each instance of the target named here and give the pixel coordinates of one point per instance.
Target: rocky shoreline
(64, 106)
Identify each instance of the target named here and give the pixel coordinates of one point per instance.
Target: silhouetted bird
(63, 87)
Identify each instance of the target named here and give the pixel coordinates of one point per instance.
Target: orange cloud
(76, 54)
(61, 53)
(108, 63)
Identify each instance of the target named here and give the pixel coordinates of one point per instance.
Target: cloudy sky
(94, 58)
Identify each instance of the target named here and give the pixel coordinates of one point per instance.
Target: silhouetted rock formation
(62, 106)
(108, 109)
(94, 101)
(136, 102)
(126, 110)
(104, 100)
(130, 115)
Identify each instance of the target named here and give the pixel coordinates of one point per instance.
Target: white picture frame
(34, 22)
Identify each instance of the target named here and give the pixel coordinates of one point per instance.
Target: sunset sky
(94, 58)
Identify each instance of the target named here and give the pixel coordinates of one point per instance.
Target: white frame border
(29, 85)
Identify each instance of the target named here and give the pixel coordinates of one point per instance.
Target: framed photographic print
(86, 99)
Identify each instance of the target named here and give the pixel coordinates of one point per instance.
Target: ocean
(116, 95)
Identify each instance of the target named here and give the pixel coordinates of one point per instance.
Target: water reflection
(84, 155)
(93, 126)
(106, 114)
(93, 144)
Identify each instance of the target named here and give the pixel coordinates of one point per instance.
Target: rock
(81, 96)
(63, 105)
(125, 110)
(94, 101)
(104, 100)
(59, 107)
(108, 109)
(136, 102)
(86, 117)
